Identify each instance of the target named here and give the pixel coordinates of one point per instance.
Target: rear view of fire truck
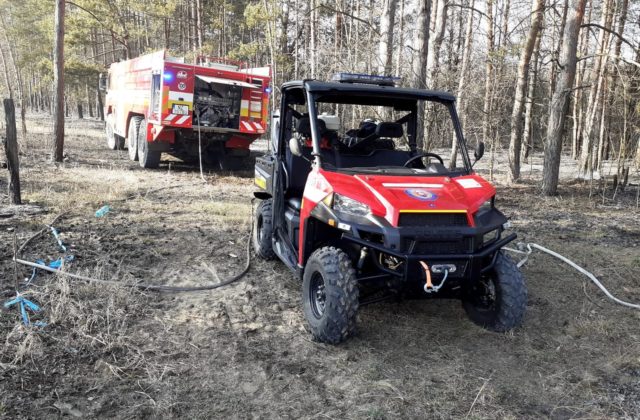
(156, 104)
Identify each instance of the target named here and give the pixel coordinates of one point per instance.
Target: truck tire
(146, 157)
(330, 295)
(263, 230)
(132, 138)
(114, 141)
(499, 300)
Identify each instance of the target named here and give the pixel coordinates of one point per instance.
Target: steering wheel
(423, 155)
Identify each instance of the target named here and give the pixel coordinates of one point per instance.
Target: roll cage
(311, 92)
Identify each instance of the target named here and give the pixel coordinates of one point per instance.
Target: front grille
(433, 219)
(461, 246)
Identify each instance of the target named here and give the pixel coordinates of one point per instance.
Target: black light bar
(367, 79)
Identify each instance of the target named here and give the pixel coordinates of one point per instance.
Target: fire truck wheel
(330, 295)
(114, 141)
(132, 138)
(147, 158)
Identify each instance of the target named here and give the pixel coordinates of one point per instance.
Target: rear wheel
(132, 138)
(330, 295)
(499, 300)
(263, 230)
(146, 157)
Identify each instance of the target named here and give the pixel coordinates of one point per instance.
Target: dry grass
(242, 351)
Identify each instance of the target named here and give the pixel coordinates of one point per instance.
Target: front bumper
(469, 265)
(398, 250)
(472, 249)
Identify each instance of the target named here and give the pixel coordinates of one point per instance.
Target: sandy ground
(243, 352)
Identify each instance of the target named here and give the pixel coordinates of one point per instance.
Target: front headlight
(349, 206)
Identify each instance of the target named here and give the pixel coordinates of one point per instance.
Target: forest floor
(243, 352)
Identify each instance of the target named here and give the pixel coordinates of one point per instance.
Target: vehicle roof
(371, 90)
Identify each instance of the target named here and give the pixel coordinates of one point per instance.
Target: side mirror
(102, 82)
(294, 146)
(479, 152)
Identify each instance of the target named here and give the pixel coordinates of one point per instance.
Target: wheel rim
(317, 295)
(486, 295)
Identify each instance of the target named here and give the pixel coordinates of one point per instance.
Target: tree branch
(331, 9)
(464, 6)
(612, 32)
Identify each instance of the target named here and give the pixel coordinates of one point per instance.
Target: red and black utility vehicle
(360, 213)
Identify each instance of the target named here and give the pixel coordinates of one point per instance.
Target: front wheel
(114, 141)
(499, 300)
(263, 230)
(330, 295)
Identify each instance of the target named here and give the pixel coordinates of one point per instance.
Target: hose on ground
(143, 286)
(593, 278)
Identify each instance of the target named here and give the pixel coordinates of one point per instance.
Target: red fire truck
(157, 104)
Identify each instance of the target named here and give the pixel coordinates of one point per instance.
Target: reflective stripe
(258, 126)
(182, 120)
(170, 117)
(248, 126)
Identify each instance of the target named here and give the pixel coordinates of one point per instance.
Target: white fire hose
(593, 278)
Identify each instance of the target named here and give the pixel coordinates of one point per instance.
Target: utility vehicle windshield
(378, 135)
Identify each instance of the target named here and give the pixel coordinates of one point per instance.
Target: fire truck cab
(156, 104)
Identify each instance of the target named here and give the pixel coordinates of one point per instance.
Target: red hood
(387, 196)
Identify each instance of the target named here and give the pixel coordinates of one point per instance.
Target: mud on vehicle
(354, 207)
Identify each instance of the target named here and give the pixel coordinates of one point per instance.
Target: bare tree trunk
(16, 70)
(553, 68)
(527, 134)
(604, 131)
(521, 89)
(11, 150)
(7, 81)
(488, 92)
(166, 33)
(577, 113)
(439, 24)
(58, 81)
(595, 93)
(89, 107)
(385, 46)
(462, 83)
(419, 68)
(313, 24)
(604, 137)
(560, 102)
(400, 39)
(99, 106)
(199, 24)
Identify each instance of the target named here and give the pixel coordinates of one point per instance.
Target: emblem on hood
(421, 194)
